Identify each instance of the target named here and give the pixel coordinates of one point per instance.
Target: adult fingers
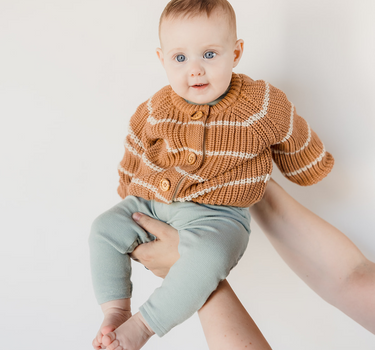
(157, 256)
(142, 253)
(158, 228)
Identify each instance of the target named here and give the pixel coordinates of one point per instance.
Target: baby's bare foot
(131, 335)
(115, 314)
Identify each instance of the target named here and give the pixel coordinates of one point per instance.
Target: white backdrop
(72, 73)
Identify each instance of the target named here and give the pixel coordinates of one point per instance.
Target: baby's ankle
(116, 306)
(141, 319)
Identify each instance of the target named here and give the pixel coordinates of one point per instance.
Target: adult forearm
(319, 254)
(226, 323)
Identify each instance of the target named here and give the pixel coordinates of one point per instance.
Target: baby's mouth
(199, 86)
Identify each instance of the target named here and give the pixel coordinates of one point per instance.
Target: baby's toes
(115, 345)
(96, 345)
(108, 339)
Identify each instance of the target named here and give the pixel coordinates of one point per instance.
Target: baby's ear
(238, 51)
(159, 53)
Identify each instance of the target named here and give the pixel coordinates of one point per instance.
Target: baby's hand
(159, 255)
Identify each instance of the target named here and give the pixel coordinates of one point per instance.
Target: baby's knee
(101, 221)
(100, 227)
(116, 228)
(222, 254)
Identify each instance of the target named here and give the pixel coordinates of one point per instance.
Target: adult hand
(159, 255)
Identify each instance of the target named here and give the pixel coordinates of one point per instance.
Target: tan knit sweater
(220, 154)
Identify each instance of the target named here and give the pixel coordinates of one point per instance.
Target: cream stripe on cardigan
(263, 178)
(299, 150)
(305, 168)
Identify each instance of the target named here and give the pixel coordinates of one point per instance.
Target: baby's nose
(193, 74)
(196, 70)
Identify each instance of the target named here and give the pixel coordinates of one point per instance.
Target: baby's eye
(209, 54)
(180, 58)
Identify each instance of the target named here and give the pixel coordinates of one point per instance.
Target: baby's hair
(192, 8)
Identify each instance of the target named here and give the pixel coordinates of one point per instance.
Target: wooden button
(165, 185)
(197, 115)
(192, 157)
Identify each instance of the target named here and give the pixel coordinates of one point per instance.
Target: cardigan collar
(229, 99)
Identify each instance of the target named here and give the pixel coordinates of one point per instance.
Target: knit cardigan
(221, 154)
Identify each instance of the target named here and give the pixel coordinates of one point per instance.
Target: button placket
(192, 157)
(197, 115)
(165, 185)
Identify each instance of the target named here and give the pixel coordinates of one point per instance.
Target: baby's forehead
(196, 28)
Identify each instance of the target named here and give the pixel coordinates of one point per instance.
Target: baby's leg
(209, 248)
(113, 236)
(208, 251)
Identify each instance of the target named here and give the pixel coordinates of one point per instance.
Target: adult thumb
(156, 227)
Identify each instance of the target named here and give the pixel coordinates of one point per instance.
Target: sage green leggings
(212, 240)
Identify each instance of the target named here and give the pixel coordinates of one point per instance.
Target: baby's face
(198, 55)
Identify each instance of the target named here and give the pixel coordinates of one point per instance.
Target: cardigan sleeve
(134, 150)
(299, 153)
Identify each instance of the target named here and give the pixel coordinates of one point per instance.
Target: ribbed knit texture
(230, 147)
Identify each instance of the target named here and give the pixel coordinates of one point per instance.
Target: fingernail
(136, 216)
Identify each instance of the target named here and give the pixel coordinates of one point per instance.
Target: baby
(198, 153)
